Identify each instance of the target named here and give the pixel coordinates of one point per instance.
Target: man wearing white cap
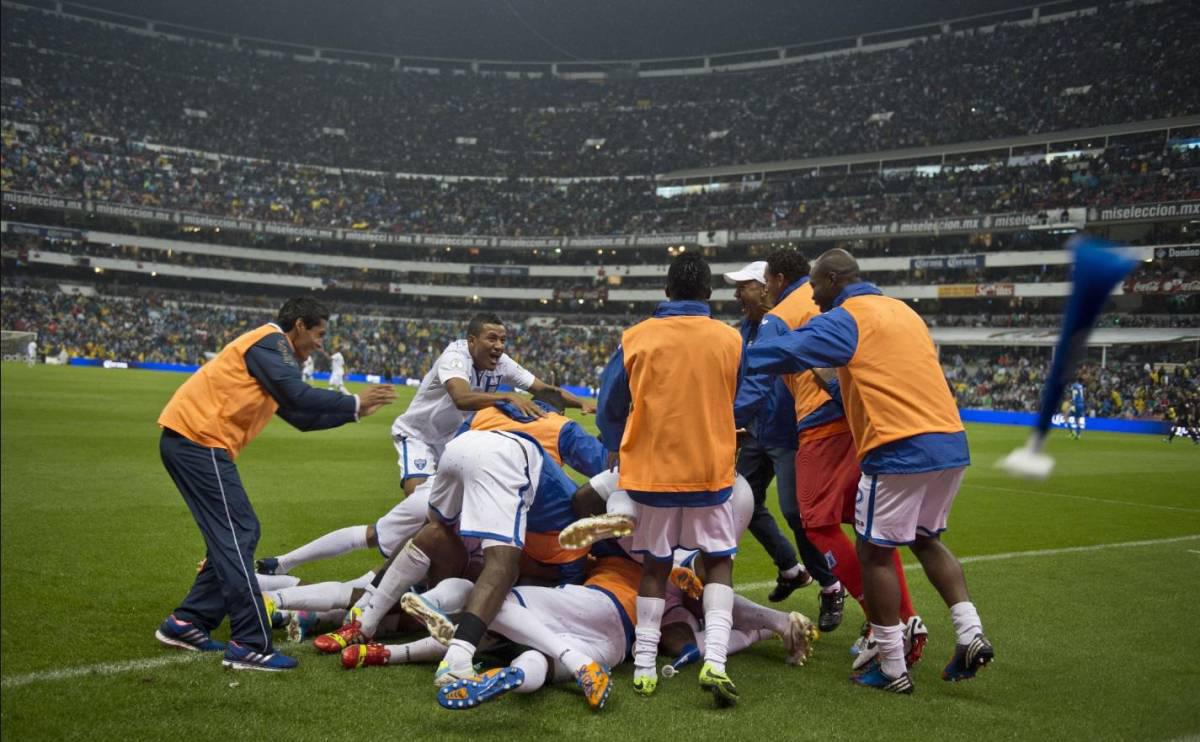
(753, 462)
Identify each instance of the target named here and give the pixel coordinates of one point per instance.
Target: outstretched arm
(827, 341)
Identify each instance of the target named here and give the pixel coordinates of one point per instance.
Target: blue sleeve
(827, 341)
(580, 451)
(612, 409)
(754, 389)
(273, 365)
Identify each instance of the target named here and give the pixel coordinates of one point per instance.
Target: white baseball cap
(756, 271)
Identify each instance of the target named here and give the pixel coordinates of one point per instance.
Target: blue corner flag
(1099, 267)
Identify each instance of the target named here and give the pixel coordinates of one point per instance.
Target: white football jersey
(431, 417)
(309, 365)
(337, 364)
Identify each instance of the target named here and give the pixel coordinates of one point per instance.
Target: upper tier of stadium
(1053, 72)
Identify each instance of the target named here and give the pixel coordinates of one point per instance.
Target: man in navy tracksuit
(208, 421)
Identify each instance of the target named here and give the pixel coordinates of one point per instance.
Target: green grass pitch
(1092, 643)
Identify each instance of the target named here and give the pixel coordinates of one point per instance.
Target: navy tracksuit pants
(226, 586)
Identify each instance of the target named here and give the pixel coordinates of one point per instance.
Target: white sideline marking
(1193, 551)
(1081, 497)
(1021, 554)
(104, 668)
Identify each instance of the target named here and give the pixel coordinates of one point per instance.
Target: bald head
(837, 261)
(832, 272)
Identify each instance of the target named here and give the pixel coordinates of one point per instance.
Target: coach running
(208, 421)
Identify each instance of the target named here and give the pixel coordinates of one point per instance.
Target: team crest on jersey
(420, 463)
(457, 363)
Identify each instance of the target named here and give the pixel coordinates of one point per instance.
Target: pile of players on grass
(498, 554)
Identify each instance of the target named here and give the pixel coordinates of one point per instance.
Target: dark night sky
(551, 29)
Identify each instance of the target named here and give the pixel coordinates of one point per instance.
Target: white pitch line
(1082, 497)
(113, 668)
(1022, 554)
(105, 668)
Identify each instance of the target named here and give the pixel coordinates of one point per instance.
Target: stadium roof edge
(911, 153)
(785, 54)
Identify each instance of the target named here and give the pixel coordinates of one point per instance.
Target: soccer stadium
(644, 370)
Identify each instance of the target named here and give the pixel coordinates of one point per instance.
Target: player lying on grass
(569, 631)
(500, 488)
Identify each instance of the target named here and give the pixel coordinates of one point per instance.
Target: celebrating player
(754, 460)
(666, 405)
(208, 421)
(912, 449)
(465, 378)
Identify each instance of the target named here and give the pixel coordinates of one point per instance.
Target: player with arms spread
(466, 377)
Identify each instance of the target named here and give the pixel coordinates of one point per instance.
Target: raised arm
(273, 365)
(615, 400)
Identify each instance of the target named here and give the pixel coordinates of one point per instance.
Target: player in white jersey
(337, 372)
(467, 376)
(306, 371)
(31, 353)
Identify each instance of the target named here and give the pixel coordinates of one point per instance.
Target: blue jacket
(831, 340)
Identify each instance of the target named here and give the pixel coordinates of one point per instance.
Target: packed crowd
(1120, 64)
(61, 162)
(1126, 389)
(154, 328)
(161, 327)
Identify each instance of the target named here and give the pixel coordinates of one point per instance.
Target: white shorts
(893, 509)
(619, 502)
(402, 522)
(486, 482)
(660, 531)
(581, 616)
(417, 458)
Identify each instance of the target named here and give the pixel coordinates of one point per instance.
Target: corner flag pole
(1099, 266)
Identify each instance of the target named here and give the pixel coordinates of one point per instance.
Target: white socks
(276, 582)
(966, 621)
(410, 566)
(718, 621)
(535, 666)
(422, 650)
(450, 595)
(890, 640)
(620, 503)
(323, 596)
(749, 615)
(836, 587)
(648, 632)
(460, 655)
(792, 573)
(332, 544)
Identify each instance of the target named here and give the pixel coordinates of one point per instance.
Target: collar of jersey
(862, 288)
(683, 309)
(792, 287)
